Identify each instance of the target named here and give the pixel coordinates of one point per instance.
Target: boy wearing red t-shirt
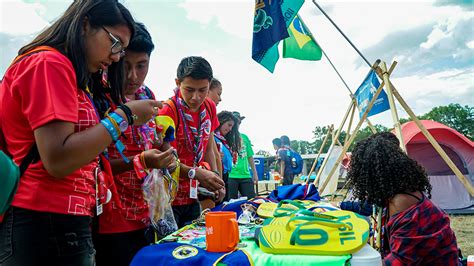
(195, 118)
(121, 231)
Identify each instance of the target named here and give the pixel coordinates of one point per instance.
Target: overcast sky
(433, 42)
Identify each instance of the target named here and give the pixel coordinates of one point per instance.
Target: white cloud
(31, 17)
(234, 17)
(470, 44)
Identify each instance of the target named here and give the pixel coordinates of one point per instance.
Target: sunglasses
(117, 46)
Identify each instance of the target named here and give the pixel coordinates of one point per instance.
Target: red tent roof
(410, 130)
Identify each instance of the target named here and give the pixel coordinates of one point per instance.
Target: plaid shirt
(420, 235)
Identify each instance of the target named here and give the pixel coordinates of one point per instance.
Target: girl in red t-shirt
(54, 98)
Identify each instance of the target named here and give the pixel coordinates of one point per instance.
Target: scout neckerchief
(143, 135)
(195, 132)
(219, 136)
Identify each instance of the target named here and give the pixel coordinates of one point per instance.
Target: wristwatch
(122, 123)
(192, 173)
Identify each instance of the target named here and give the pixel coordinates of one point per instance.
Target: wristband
(120, 148)
(106, 122)
(121, 123)
(114, 123)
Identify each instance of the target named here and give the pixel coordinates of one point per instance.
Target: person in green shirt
(240, 179)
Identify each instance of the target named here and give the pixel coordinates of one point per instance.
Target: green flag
(300, 44)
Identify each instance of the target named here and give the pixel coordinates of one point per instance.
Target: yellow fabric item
(166, 122)
(167, 134)
(344, 234)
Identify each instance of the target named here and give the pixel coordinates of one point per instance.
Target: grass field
(463, 226)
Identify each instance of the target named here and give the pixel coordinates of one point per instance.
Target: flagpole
(371, 126)
(347, 39)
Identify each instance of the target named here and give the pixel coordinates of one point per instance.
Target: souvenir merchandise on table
(275, 233)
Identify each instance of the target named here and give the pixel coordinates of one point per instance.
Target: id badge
(98, 204)
(193, 188)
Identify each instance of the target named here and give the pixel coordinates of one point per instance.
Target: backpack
(296, 164)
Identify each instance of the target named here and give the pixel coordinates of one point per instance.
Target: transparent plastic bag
(159, 197)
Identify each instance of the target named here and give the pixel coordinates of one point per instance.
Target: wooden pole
(338, 132)
(433, 142)
(393, 108)
(372, 128)
(336, 136)
(348, 132)
(351, 139)
(330, 129)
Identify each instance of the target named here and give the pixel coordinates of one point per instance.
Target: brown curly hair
(379, 170)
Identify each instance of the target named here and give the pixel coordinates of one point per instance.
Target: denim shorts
(38, 238)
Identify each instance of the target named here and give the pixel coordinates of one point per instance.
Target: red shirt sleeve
(168, 111)
(213, 114)
(48, 89)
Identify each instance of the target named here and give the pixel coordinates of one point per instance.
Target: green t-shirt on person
(241, 168)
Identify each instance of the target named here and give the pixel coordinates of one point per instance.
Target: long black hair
(379, 170)
(233, 137)
(65, 34)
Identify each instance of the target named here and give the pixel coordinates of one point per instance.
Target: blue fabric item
(181, 254)
(358, 207)
(365, 93)
(227, 159)
(295, 191)
(234, 206)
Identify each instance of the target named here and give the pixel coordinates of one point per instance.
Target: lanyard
(198, 140)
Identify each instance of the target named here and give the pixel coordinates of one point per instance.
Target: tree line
(460, 118)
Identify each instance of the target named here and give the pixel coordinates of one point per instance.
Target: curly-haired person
(415, 231)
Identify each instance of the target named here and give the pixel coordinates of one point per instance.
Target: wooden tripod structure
(382, 72)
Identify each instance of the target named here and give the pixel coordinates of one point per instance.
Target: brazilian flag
(300, 44)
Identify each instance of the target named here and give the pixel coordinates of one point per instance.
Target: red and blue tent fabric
(448, 192)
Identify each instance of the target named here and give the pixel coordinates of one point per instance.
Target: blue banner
(365, 93)
(270, 23)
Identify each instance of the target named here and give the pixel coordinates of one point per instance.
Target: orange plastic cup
(222, 231)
